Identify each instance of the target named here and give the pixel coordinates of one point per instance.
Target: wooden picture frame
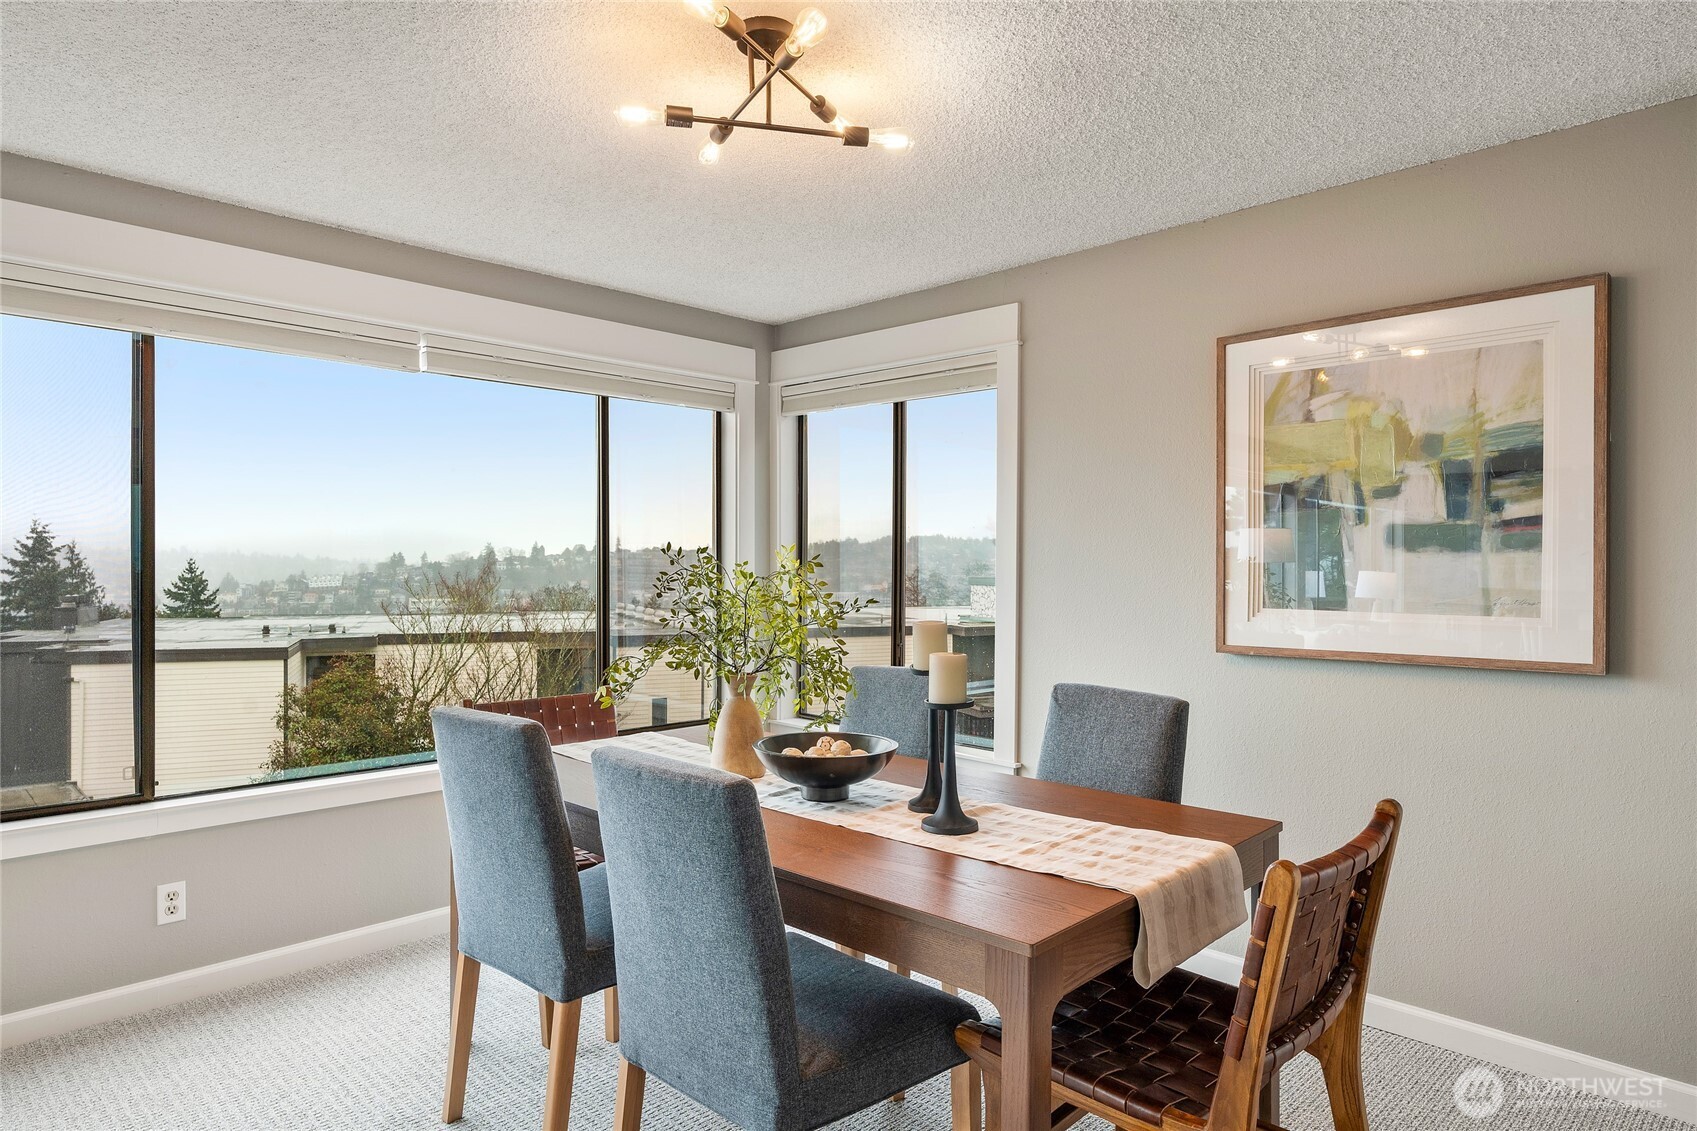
(1424, 484)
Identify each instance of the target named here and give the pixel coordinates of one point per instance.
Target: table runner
(1189, 891)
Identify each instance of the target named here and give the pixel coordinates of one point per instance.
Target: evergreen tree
(77, 581)
(190, 596)
(488, 558)
(32, 580)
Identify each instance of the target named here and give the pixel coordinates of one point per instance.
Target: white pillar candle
(928, 636)
(948, 677)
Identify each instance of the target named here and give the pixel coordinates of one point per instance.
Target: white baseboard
(123, 1001)
(1516, 1053)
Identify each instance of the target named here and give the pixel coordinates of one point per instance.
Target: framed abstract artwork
(1421, 485)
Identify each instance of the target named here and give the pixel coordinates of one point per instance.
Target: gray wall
(84, 920)
(1548, 877)
(81, 921)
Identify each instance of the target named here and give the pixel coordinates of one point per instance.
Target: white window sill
(32, 837)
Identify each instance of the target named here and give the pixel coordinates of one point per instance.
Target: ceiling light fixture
(778, 43)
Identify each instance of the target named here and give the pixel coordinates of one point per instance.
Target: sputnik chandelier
(778, 44)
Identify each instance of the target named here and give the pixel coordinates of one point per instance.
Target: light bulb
(1358, 353)
(809, 28)
(709, 154)
(706, 9)
(1417, 351)
(639, 115)
(896, 141)
(840, 123)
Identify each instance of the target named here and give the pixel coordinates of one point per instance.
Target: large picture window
(908, 491)
(227, 567)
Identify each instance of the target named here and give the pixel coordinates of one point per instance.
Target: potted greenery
(760, 634)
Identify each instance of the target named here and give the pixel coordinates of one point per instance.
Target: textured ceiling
(487, 129)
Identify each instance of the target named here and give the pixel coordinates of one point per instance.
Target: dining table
(1021, 939)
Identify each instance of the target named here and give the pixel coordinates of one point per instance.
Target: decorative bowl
(825, 779)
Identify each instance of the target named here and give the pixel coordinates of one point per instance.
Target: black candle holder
(926, 802)
(948, 819)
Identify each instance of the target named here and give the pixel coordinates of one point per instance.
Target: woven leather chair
(566, 718)
(1121, 741)
(771, 1030)
(1190, 1052)
(527, 910)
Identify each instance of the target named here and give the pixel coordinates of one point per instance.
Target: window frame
(144, 658)
(876, 365)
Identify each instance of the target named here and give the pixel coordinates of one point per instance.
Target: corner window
(908, 491)
(67, 527)
(227, 566)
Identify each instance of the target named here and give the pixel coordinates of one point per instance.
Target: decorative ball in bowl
(825, 763)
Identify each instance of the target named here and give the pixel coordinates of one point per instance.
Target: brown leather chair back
(1326, 923)
(566, 718)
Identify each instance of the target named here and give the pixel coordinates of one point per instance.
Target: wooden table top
(1005, 905)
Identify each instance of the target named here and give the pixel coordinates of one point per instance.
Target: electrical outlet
(173, 902)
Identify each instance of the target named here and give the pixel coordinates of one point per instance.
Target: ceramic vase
(739, 728)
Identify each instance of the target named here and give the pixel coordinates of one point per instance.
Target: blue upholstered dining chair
(891, 702)
(524, 908)
(770, 1030)
(1126, 742)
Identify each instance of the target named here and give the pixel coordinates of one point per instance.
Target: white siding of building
(214, 722)
(103, 729)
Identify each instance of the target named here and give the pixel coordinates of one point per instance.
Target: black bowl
(825, 779)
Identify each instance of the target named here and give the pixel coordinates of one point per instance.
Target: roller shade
(462, 358)
(909, 383)
(68, 297)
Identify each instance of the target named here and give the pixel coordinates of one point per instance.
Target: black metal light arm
(686, 117)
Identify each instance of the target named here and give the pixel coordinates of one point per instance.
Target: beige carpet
(359, 1046)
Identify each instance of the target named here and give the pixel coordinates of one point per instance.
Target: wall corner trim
(58, 1017)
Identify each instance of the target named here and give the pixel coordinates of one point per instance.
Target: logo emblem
(1479, 1092)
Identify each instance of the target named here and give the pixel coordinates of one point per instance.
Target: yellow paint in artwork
(1310, 448)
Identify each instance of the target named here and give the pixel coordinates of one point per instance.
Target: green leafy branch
(754, 631)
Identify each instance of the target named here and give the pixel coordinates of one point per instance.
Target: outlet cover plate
(173, 902)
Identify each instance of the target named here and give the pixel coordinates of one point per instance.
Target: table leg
(1025, 990)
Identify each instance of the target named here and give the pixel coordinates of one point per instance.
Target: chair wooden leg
(562, 1065)
(627, 1101)
(546, 1008)
(610, 1014)
(988, 1069)
(948, 989)
(966, 1111)
(459, 1035)
(857, 955)
(1339, 1053)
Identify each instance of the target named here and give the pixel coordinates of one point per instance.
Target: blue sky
(951, 469)
(260, 452)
